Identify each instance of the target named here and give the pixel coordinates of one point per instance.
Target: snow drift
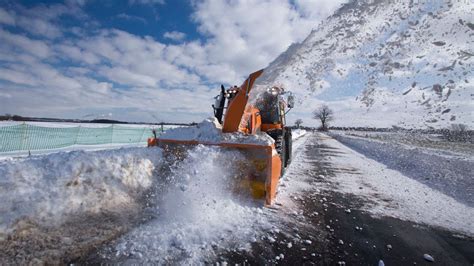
(297, 133)
(50, 188)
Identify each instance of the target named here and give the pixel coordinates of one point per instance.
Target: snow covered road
(451, 175)
(410, 185)
(360, 212)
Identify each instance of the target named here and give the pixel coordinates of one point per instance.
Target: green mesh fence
(26, 137)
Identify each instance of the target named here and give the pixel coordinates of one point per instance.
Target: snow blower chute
(256, 129)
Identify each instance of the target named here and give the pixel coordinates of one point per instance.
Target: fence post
(143, 133)
(112, 134)
(77, 134)
(23, 139)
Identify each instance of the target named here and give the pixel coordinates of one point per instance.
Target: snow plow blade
(260, 172)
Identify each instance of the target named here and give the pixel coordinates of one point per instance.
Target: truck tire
(288, 147)
(280, 146)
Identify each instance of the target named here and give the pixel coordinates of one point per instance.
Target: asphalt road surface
(339, 233)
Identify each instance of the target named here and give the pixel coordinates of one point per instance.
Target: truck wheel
(288, 148)
(280, 146)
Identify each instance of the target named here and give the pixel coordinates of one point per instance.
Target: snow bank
(210, 131)
(15, 155)
(297, 133)
(295, 179)
(49, 188)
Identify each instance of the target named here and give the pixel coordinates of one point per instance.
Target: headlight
(273, 91)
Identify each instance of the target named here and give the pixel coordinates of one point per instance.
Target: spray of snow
(50, 188)
(198, 214)
(198, 211)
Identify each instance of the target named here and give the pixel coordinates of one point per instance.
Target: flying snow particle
(428, 257)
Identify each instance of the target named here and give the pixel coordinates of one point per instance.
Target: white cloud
(24, 44)
(17, 77)
(127, 77)
(247, 35)
(41, 20)
(146, 2)
(6, 17)
(4, 95)
(139, 61)
(39, 27)
(131, 18)
(113, 69)
(320, 8)
(77, 54)
(174, 35)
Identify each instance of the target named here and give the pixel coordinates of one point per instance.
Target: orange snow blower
(266, 115)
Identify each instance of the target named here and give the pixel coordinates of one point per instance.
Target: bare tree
(458, 127)
(298, 122)
(325, 115)
(459, 132)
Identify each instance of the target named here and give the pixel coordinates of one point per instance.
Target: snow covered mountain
(385, 63)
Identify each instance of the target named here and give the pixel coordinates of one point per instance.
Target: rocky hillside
(386, 63)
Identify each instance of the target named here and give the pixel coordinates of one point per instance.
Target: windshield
(269, 108)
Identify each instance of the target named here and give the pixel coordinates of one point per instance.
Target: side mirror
(291, 101)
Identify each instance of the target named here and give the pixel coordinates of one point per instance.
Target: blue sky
(146, 19)
(140, 60)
